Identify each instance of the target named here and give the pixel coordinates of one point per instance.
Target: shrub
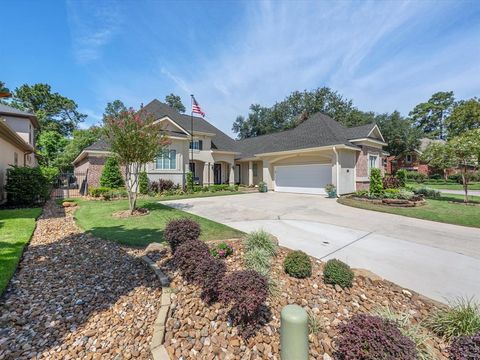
(261, 240)
(406, 194)
(362, 193)
(188, 256)
(50, 174)
(161, 185)
(143, 183)
(298, 264)
(337, 272)
(402, 177)
(376, 184)
(26, 186)
(209, 274)
(461, 318)
(456, 178)
(111, 175)
(435, 177)
(391, 182)
(258, 260)
(189, 181)
(221, 250)
(246, 291)
(314, 323)
(367, 337)
(465, 348)
(179, 231)
(428, 193)
(100, 191)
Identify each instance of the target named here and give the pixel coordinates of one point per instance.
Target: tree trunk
(465, 183)
(129, 187)
(445, 174)
(134, 188)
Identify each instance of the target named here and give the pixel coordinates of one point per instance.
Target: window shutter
(200, 144)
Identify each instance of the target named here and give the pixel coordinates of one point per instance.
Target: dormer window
(408, 158)
(196, 145)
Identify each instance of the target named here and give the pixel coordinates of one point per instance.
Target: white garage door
(307, 179)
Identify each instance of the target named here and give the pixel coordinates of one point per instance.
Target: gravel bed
(198, 331)
(77, 297)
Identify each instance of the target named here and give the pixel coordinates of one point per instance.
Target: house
(410, 161)
(303, 159)
(17, 141)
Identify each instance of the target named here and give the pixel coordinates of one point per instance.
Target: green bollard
(294, 333)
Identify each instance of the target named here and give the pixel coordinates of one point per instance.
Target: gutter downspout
(337, 171)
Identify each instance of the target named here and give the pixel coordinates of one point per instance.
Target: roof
(12, 137)
(9, 110)
(358, 132)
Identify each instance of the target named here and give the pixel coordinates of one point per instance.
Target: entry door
(306, 179)
(217, 173)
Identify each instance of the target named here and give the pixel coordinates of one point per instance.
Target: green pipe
(294, 333)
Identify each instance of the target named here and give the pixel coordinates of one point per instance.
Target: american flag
(196, 107)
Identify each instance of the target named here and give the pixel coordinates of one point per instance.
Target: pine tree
(111, 175)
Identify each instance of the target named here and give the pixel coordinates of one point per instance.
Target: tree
(54, 111)
(175, 102)
(135, 139)
(111, 174)
(465, 150)
(401, 137)
(465, 116)
(430, 116)
(50, 144)
(114, 108)
(438, 155)
(80, 140)
(4, 91)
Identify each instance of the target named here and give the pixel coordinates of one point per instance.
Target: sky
(384, 55)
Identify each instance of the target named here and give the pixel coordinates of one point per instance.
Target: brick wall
(95, 168)
(362, 159)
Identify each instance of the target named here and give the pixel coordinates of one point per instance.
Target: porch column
(211, 179)
(232, 174)
(250, 173)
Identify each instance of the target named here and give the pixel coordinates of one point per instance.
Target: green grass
(472, 186)
(16, 228)
(440, 210)
(96, 218)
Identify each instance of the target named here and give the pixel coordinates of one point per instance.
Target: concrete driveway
(460, 192)
(438, 260)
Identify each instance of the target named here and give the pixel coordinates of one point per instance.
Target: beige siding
(7, 158)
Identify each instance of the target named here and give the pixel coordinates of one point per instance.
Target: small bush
(366, 337)
(465, 348)
(402, 177)
(461, 318)
(143, 183)
(261, 240)
(298, 265)
(428, 193)
(391, 182)
(161, 185)
(406, 194)
(362, 193)
(221, 250)
(26, 186)
(181, 230)
(209, 274)
(99, 192)
(258, 260)
(456, 178)
(337, 272)
(314, 323)
(188, 256)
(376, 183)
(246, 291)
(416, 176)
(435, 177)
(111, 175)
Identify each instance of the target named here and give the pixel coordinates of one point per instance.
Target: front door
(217, 173)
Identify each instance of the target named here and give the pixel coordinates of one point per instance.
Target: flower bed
(197, 330)
(417, 201)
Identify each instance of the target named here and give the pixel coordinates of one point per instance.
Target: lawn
(441, 210)
(16, 228)
(440, 186)
(96, 217)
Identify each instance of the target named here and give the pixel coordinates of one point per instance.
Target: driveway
(441, 261)
(460, 192)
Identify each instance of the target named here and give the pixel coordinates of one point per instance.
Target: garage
(305, 179)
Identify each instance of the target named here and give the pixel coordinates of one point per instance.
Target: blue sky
(385, 55)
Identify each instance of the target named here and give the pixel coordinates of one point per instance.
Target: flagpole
(191, 129)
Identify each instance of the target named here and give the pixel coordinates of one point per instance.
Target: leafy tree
(54, 111)
(80, 140)
(4, 91)
(175, 102)
(465, 150)
(465, 116)
(111, 175)
(297, 107)
(401, 137)
(114, 108)
(438, 155)
(430, 116)
(50, 144)
(136, 139)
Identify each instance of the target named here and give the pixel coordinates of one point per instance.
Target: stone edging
(156, 345)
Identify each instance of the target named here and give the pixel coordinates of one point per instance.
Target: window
(372, 162)
(15, 159)
(196, 145)
(192, 168)
(408, 158)
(255, 170)
(166, 160)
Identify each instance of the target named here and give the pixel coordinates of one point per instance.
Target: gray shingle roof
(8, 110)
(318, 130)
(99, 145)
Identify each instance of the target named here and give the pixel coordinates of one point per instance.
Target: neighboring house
(411, 160)
(17, 141)
(303, 159)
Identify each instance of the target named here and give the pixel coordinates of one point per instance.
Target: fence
(70, 185)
